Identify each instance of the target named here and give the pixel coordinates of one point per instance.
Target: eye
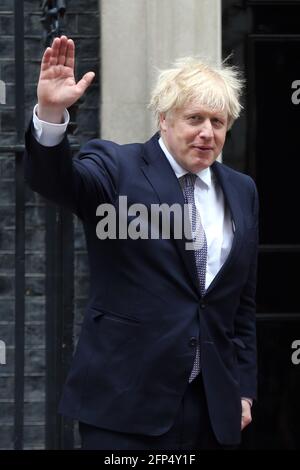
(194, 118)
(218, 122)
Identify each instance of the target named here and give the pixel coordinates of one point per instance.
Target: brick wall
(82, 24)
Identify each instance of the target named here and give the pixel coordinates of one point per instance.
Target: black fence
(59, 272)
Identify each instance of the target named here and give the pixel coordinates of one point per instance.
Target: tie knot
(188, 180)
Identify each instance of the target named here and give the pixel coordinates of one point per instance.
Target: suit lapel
(162, 178)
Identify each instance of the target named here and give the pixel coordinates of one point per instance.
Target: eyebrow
(201, 113)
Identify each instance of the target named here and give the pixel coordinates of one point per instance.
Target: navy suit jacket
(145, 312)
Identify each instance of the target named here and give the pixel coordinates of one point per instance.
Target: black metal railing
(20, 228)
(59, 269)
(53, 19)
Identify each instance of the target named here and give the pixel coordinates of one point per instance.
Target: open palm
(57, 87)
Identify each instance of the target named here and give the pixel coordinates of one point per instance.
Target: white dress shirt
(48, 133)
(215, 216)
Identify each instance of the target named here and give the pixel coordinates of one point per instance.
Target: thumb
(85, 82)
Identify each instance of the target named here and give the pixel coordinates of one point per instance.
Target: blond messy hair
(193, 80)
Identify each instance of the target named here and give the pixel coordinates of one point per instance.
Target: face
(194, 135)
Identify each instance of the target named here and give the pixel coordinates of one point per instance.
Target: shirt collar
(204, 175)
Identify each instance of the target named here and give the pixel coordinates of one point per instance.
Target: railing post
(20, 232)
(59, 283)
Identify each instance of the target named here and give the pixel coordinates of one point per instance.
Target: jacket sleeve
(245, 320)
(79, 183)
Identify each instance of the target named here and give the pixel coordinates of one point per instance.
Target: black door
(264, 37)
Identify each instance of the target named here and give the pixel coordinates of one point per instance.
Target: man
(167, 354)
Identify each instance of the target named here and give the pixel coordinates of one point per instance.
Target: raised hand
(57, 87)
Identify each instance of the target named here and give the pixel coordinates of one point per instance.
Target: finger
(55, 51)
(70, 54)
(61, 59)
(243, 423)
(245, 420)
(46, 59)
(85, 82)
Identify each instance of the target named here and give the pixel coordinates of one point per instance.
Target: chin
(198, 166)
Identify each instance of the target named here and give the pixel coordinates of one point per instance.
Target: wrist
(49, 114)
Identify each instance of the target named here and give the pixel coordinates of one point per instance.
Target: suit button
(193, 342)
(202, 304)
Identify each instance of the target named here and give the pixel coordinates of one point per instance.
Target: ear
(162, 122)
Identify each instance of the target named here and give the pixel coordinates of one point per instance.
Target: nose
(206, 130)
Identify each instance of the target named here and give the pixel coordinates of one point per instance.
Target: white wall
(138, 36)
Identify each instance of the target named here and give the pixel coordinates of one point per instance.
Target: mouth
(203, 148)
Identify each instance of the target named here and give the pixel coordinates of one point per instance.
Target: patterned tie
(200, 247)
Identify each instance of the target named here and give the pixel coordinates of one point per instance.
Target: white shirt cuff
(249, 400)
(48, 133)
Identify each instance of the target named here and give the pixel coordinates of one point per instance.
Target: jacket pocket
(238, 342)
(114, 316)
